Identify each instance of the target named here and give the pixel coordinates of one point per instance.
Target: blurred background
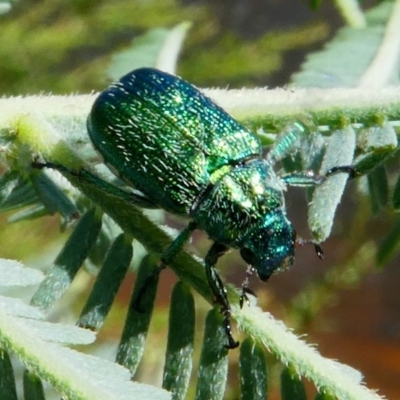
(345, 304)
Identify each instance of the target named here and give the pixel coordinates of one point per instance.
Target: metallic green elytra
(187, 156)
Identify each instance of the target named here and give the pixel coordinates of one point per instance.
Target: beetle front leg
(245, 287)
(347, 169)
(310, 178)
(218, 289)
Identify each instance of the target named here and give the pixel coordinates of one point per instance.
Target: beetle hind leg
(84, 175)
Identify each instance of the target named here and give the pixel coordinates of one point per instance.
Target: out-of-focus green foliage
(63, 47)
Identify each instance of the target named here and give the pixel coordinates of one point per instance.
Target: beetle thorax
(239, 202)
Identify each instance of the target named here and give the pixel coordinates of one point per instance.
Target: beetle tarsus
(38, 164)
(348, 169)
(243, 297)
(245, 287)
(232, 343)
(319, 251)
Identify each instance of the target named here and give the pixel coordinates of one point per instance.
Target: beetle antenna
(317, 246)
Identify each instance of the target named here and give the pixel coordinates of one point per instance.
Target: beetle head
(270, 247)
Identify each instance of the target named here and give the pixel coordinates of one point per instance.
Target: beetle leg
(175, 247)
(310, 178)
(318, 249)
(285, 142)
(167, 257)
(218, 289)
(348, 169)
(245, 287)
(133, 197)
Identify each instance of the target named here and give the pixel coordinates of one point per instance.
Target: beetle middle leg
(218, 289)
(167, 257)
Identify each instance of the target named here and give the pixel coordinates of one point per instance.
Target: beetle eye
(247, 255)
